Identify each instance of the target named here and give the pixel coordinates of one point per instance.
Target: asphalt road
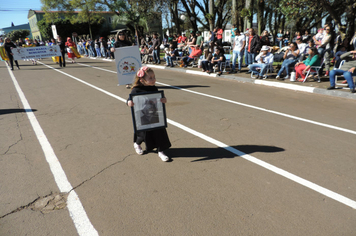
(246, 159)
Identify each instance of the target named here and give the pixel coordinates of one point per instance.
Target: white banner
(128, 62)
(36, 52)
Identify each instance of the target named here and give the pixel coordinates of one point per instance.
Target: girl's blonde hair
(137, 81)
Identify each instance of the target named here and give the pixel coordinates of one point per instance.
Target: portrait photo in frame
(148, 112)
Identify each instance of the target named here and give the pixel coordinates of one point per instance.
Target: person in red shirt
(219, 36)
(184, 39)
(179, 39)
(196, 51)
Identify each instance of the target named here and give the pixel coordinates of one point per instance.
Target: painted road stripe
(75, 207)
(247, 105)
(279, 171)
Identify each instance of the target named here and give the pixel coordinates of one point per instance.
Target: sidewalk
(310, 86)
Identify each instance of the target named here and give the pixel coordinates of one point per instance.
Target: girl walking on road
(145, 82)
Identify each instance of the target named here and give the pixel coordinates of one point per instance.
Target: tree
(17, 34)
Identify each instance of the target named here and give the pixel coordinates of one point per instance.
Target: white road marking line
(333, 195)
(75, 207)
(247, 105)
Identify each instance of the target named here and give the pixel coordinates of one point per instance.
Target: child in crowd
(145, 82)
(319, 36)
(145, 53)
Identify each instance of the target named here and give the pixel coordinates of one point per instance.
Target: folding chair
(341, 63)
(227, 62)
(178, 58)
(316, 71)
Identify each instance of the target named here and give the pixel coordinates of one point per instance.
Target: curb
(294, 87)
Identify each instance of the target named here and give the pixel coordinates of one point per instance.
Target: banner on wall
(128, 62)
(36, 52)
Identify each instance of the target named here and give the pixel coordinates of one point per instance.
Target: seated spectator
(338, 54)
(217, 59)
(172, 55)
(304, 55)
(205, 62)
(290, 58)
(196, 51)
(264, 59)
(301, 68)
(348, 70)
(301, 46)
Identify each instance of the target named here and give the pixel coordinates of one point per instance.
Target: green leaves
(16, 34)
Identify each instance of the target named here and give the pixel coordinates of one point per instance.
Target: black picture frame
(148, 112)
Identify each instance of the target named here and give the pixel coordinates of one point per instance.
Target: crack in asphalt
(41, 203)
(21, 138)
(117, 162)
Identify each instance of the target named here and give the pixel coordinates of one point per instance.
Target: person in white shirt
(238, 51)
(264, 59)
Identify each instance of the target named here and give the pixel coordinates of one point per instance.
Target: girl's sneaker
(138, 149)
(163, 156)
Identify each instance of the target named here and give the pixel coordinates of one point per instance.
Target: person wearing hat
(264, 58)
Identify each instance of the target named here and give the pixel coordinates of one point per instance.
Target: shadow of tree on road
(206, 154)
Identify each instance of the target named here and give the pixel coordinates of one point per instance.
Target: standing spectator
(61, 44)
(326, 44)
(8, 46)
(200, 40)
(97, 48)
(280, 39)
(184, 39)
(265, 39)
(103, 47)
(212, 40)
(233, 29)
(238, 50)
(254, 46)
(290, 58)
(247, 35)
(156, 43)
(286, 38)
(175, 41)
(219, 36)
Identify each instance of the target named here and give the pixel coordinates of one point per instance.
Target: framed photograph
(148, 112)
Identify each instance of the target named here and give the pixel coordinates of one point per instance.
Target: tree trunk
(260, 19)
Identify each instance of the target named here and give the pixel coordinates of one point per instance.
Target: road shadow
(206, 154)
(10, 111)
(182, 86)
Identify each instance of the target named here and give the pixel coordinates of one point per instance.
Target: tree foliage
(17, 34)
